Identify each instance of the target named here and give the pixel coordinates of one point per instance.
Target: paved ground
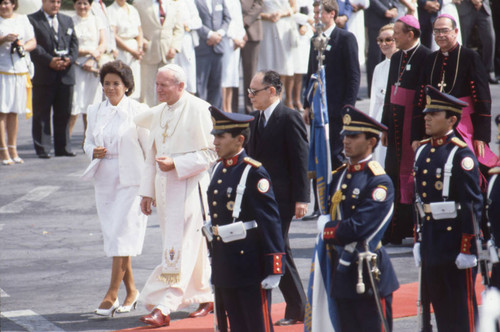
(53, 271)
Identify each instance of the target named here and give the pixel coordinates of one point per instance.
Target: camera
(16, 47)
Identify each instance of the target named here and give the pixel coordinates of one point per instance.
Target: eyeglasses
(387, 40)
(254, 92)
(444, 31)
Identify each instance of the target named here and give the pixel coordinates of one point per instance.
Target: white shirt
(269, 111)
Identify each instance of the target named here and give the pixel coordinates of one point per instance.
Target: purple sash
(404, 97)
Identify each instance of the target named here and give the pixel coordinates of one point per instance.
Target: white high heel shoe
(127, 308)
(108, 312)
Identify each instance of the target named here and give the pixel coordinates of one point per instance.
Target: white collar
(269, 110)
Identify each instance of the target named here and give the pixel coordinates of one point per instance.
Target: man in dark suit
(279, 141)
(478, 13)
(380, 13)
(251, 10)
(427, 14)
(215, 21)
(342, 74)
(56, 50)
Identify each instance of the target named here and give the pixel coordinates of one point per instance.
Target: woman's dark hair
(14, 2)
(121, 69)
(89, 1)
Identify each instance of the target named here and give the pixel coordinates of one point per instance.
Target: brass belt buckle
(215, 230)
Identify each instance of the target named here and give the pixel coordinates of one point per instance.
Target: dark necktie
(162, 13)
(261, 124)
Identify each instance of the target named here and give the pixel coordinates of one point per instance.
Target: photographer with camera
(16, 38)
(56, 51)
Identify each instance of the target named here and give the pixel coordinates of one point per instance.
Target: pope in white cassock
(176, 179)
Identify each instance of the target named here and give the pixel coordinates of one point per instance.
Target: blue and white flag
(321, 308)
(320, 164)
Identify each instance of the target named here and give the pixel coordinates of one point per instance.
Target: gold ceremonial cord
(334, 209)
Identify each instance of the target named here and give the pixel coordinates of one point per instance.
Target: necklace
(165, 127)
(442, 84)
(400, 76)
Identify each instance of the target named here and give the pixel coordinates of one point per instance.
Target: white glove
(271, 281)
(322, 220)
(464, 261)
(416, 254)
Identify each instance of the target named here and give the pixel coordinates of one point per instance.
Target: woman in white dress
(304, 20)
(356, 25)
(190, 19)
(126, 25)
(385, 41)
(117, 148)
(231, 57)
(91, 45)
(14, 78)
(280, 37)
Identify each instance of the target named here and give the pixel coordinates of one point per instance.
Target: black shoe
(66, 154)
(43, 155)
(312, 216)
(492, 79)
(286, 322)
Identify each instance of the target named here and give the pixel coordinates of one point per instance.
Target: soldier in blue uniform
(361, 208)
(493, 211)
(449, 202)
(247, 247)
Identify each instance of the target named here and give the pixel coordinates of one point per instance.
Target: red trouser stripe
(470, 303)
(265, 310)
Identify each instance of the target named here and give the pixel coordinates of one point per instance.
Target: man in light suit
(215, 20)
(278, 140)
(56, 50)
(251, 10)
(478, 13)
(163, 35)
(342, 75)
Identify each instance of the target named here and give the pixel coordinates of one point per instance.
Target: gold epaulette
(339, 169)
(425, 141)
(252, 162)
(459, 142)
(376, 168)
(494, 170)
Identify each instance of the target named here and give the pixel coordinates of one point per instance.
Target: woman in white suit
(117, 149)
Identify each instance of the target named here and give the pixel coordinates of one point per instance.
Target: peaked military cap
(439, 101)
(356, 122)
(225, 122)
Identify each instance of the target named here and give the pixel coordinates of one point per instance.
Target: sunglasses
(254, 92)
(387, 40)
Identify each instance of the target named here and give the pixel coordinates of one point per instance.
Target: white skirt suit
(117, 176)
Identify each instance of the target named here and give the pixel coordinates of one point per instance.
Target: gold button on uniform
(224, 170)
(219, 181)
(215, 215)
(424, 171)
(424, 195)
(348, 176)
(242, 252)
(433, 149)
(428, 160)
(448, 228)
(214, 203)
(344, 186)
(424, 183)
(427, 218)
(216, 192)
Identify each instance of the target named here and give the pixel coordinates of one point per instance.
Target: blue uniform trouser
(452, 295)
(361, 314)
(247, 308)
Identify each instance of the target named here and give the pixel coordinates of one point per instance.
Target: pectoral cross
(441, 84)
(164, 134)
(397, 84)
